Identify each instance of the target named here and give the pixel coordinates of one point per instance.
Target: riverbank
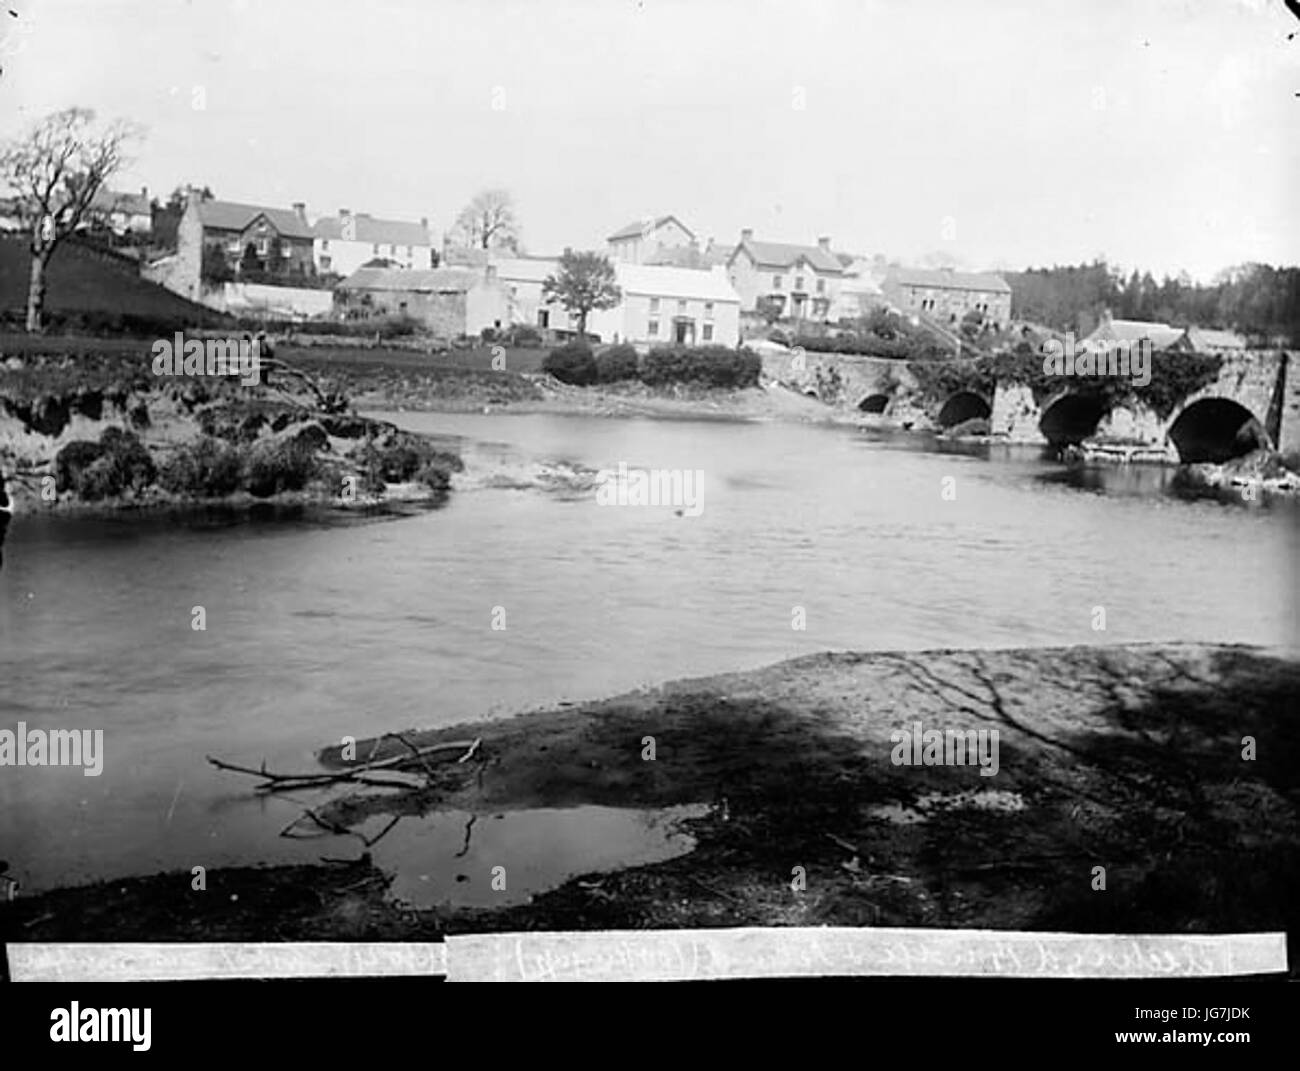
(1136, 759)
(99, 432)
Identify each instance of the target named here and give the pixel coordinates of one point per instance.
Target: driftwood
(363, 773)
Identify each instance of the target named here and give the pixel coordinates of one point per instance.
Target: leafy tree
(585, 282)
(214, 267)
(54, 172)
(488, 222)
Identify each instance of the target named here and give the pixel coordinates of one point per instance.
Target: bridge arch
(1216, 430)
(1071, 418)
(873, 403)
(963, 406)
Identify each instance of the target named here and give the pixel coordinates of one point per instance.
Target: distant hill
(83, 279)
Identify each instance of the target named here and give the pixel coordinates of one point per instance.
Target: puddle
(540, 849)
(926, 805)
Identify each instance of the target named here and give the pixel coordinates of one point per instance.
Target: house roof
(1206, 338)
(131, 204)
(785, 255)
(657, 281)
(941, 279)
(524, 269)
(427, 280)
(234, 216)
(638, 227)
(375, 231)
(1161, 335)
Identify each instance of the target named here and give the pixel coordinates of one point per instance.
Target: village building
(1208, 340)
(275, 242)
(449, 302)
(123, 213)
(947, 296)
(341, 244)
(660, 305)
(797, 281)
(1109, 330)
(642, 241)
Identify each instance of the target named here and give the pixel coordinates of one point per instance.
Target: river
(319, 630)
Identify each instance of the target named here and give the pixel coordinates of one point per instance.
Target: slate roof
(233, 216)
(1161, 335)
(374, 231)
(638, 227)
(131, 204)
(426, 280)
(949, 280)
(784, 255)
(692, 283)
(1207, 338)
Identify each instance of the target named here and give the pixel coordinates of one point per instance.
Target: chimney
(424, 222)
(824, 243)
(747, 235)
(300, 210)
(144, 192)
(344, 213)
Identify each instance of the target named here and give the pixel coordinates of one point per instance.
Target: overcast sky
(1162, 134)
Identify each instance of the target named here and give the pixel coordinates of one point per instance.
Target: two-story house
(248, 238)
(642, 241)
(344, 243)
(946, 295)
(123, 212)
(798, 281)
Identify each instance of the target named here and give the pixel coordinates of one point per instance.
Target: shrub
(616, 364)
(117, 464)
(205, 468)
(522, 335)
(571, 363)
(274, 467)
(712, 366)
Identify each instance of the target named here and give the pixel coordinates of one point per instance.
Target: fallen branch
(278, 782)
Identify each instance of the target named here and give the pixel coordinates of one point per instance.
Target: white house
(800, 281)
(341, 244)
(689, 306)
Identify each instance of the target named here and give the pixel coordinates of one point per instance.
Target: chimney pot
(747, 234)
(824, 242)
(424, 222)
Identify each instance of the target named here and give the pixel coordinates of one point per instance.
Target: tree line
(1257, 300)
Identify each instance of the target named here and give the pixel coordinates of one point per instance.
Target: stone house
(450, 302)
(946, 295)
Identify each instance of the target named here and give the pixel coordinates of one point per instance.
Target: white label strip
(683, 955)
(190, 962)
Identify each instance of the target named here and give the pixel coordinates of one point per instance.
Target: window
(681, 305)
(392, 250)
(262, 246)
(776, 282)
(708, 332)
(708, 310)
(324, 263)
(324, 245)
(654, 327)
(375, 249)
(798, 282)
(821, 286)
(409, 252)
(543, 318)
(654, 304)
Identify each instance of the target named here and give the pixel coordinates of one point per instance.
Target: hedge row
(712, 366)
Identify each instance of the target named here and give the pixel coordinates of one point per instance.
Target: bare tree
(488, 222)
(54, 173)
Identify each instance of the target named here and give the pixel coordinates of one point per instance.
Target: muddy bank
(100, 432)
(1127, 758)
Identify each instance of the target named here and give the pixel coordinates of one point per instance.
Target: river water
(319, 630)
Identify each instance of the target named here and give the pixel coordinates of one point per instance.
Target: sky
(1163, 135)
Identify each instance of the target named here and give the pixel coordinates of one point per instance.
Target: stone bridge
(1254, 399)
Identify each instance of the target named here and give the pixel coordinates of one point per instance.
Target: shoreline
(1127, 757)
